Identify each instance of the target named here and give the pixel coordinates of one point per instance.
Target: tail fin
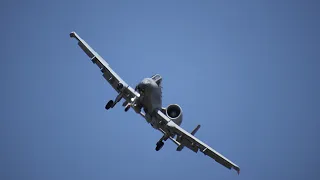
(157, 78)
(195, 130)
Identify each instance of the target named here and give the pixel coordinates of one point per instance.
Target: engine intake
(174, 112)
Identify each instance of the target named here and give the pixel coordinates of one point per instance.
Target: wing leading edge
(127, 92)
(195, 144)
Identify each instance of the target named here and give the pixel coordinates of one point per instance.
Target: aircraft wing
(127, 92)
(188, 140)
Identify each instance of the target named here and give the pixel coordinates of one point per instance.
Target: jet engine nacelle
(174, 112)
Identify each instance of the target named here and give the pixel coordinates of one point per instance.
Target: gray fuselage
(150, 99)
(150, 95)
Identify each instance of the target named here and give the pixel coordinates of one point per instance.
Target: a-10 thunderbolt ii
(147, 96)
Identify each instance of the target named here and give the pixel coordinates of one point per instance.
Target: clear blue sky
(247, 71)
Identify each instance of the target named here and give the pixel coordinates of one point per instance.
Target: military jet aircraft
(147, 96)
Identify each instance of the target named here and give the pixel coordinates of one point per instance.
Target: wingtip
(237, 169)
(73, 34)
